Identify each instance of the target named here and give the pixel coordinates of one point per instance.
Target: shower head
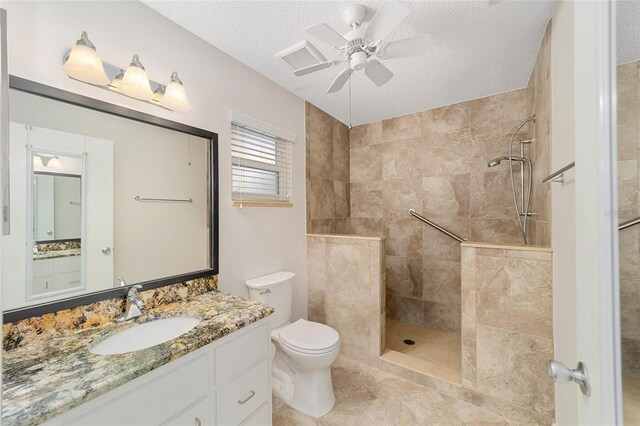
(497, 161)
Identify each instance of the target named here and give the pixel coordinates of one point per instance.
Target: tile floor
(435, 353)
(367, 396)
(631, 397)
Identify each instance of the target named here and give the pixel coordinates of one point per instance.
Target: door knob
(106, 250)
(560, 373)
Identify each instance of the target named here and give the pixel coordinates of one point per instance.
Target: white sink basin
(145, 335)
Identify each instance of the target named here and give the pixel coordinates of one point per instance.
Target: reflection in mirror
(628, 134)
(90, 202)
(56, 224)
(56, 206)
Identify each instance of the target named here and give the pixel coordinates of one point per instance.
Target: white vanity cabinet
(55, 274)
(227, 382)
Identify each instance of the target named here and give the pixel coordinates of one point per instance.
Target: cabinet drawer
(42, 267)
(67, 280)
(67, 264)
(242, 396)
(198, 414)
(240, 353)
(154, 402)
(262, 417)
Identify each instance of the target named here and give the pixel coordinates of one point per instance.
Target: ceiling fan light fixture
(359, 61)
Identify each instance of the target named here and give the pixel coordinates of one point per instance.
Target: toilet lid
(309, 336)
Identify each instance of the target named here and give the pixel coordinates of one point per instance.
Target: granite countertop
(51, 254)
(53, 374)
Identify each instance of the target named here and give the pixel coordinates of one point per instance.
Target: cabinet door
(154, 402)
(43, 284)
(198, 414)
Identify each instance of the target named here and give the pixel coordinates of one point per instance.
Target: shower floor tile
(435, 353)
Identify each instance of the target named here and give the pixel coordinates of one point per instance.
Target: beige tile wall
(507, 331)
(327, 172)
(628, 205)
(345, 276)
(435, 162)
(539, 88)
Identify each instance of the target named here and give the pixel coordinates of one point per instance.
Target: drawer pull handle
(198, 422)
(247, 398)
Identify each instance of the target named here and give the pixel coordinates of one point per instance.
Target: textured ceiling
(478, 48)
(628, 31)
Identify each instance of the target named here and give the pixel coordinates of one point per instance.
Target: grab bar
(559, 175)
(163, 200)
(628, 224)
(413, 213)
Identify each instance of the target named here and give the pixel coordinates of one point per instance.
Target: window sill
(262, 204)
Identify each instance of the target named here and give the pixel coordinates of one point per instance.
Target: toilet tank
(274, 290)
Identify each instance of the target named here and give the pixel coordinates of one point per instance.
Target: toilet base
(311, 392)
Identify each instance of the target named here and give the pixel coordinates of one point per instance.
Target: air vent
(301, 55)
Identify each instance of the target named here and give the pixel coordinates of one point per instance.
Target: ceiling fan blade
(378, 73)
(389, 16)
(405, 48)
(314, 68)
(340, 80)
(327, 35)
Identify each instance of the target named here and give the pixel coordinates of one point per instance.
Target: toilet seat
(309, 337)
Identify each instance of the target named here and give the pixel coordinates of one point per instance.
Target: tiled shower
(628, 91)
(362, 182)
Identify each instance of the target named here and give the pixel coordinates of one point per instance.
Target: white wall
(253, 241)
(563, 233)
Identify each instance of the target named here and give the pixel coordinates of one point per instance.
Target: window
(261, 166)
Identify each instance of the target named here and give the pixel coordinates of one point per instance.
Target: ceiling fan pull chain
(350, 95)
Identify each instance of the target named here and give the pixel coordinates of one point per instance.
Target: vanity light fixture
(135, 82)
(115, 83)
(45, 160)
(83, 63)
(158, 94)
(175, 97)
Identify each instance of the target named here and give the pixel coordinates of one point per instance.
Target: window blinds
(261, 165)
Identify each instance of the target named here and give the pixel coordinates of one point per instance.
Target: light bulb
(37, 162)
(175, 97)
(135, 82)
(83, 63)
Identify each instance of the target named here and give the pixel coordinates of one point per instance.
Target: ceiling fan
(364, 48)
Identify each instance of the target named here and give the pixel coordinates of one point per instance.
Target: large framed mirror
(101, 198)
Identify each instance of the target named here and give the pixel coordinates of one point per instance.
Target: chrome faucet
(134, 306)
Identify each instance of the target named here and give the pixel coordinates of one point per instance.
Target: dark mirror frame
(38, 89)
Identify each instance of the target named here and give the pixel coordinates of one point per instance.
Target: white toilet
(304, 350)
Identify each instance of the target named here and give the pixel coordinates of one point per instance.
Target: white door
(585, 254)
(99, 211)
